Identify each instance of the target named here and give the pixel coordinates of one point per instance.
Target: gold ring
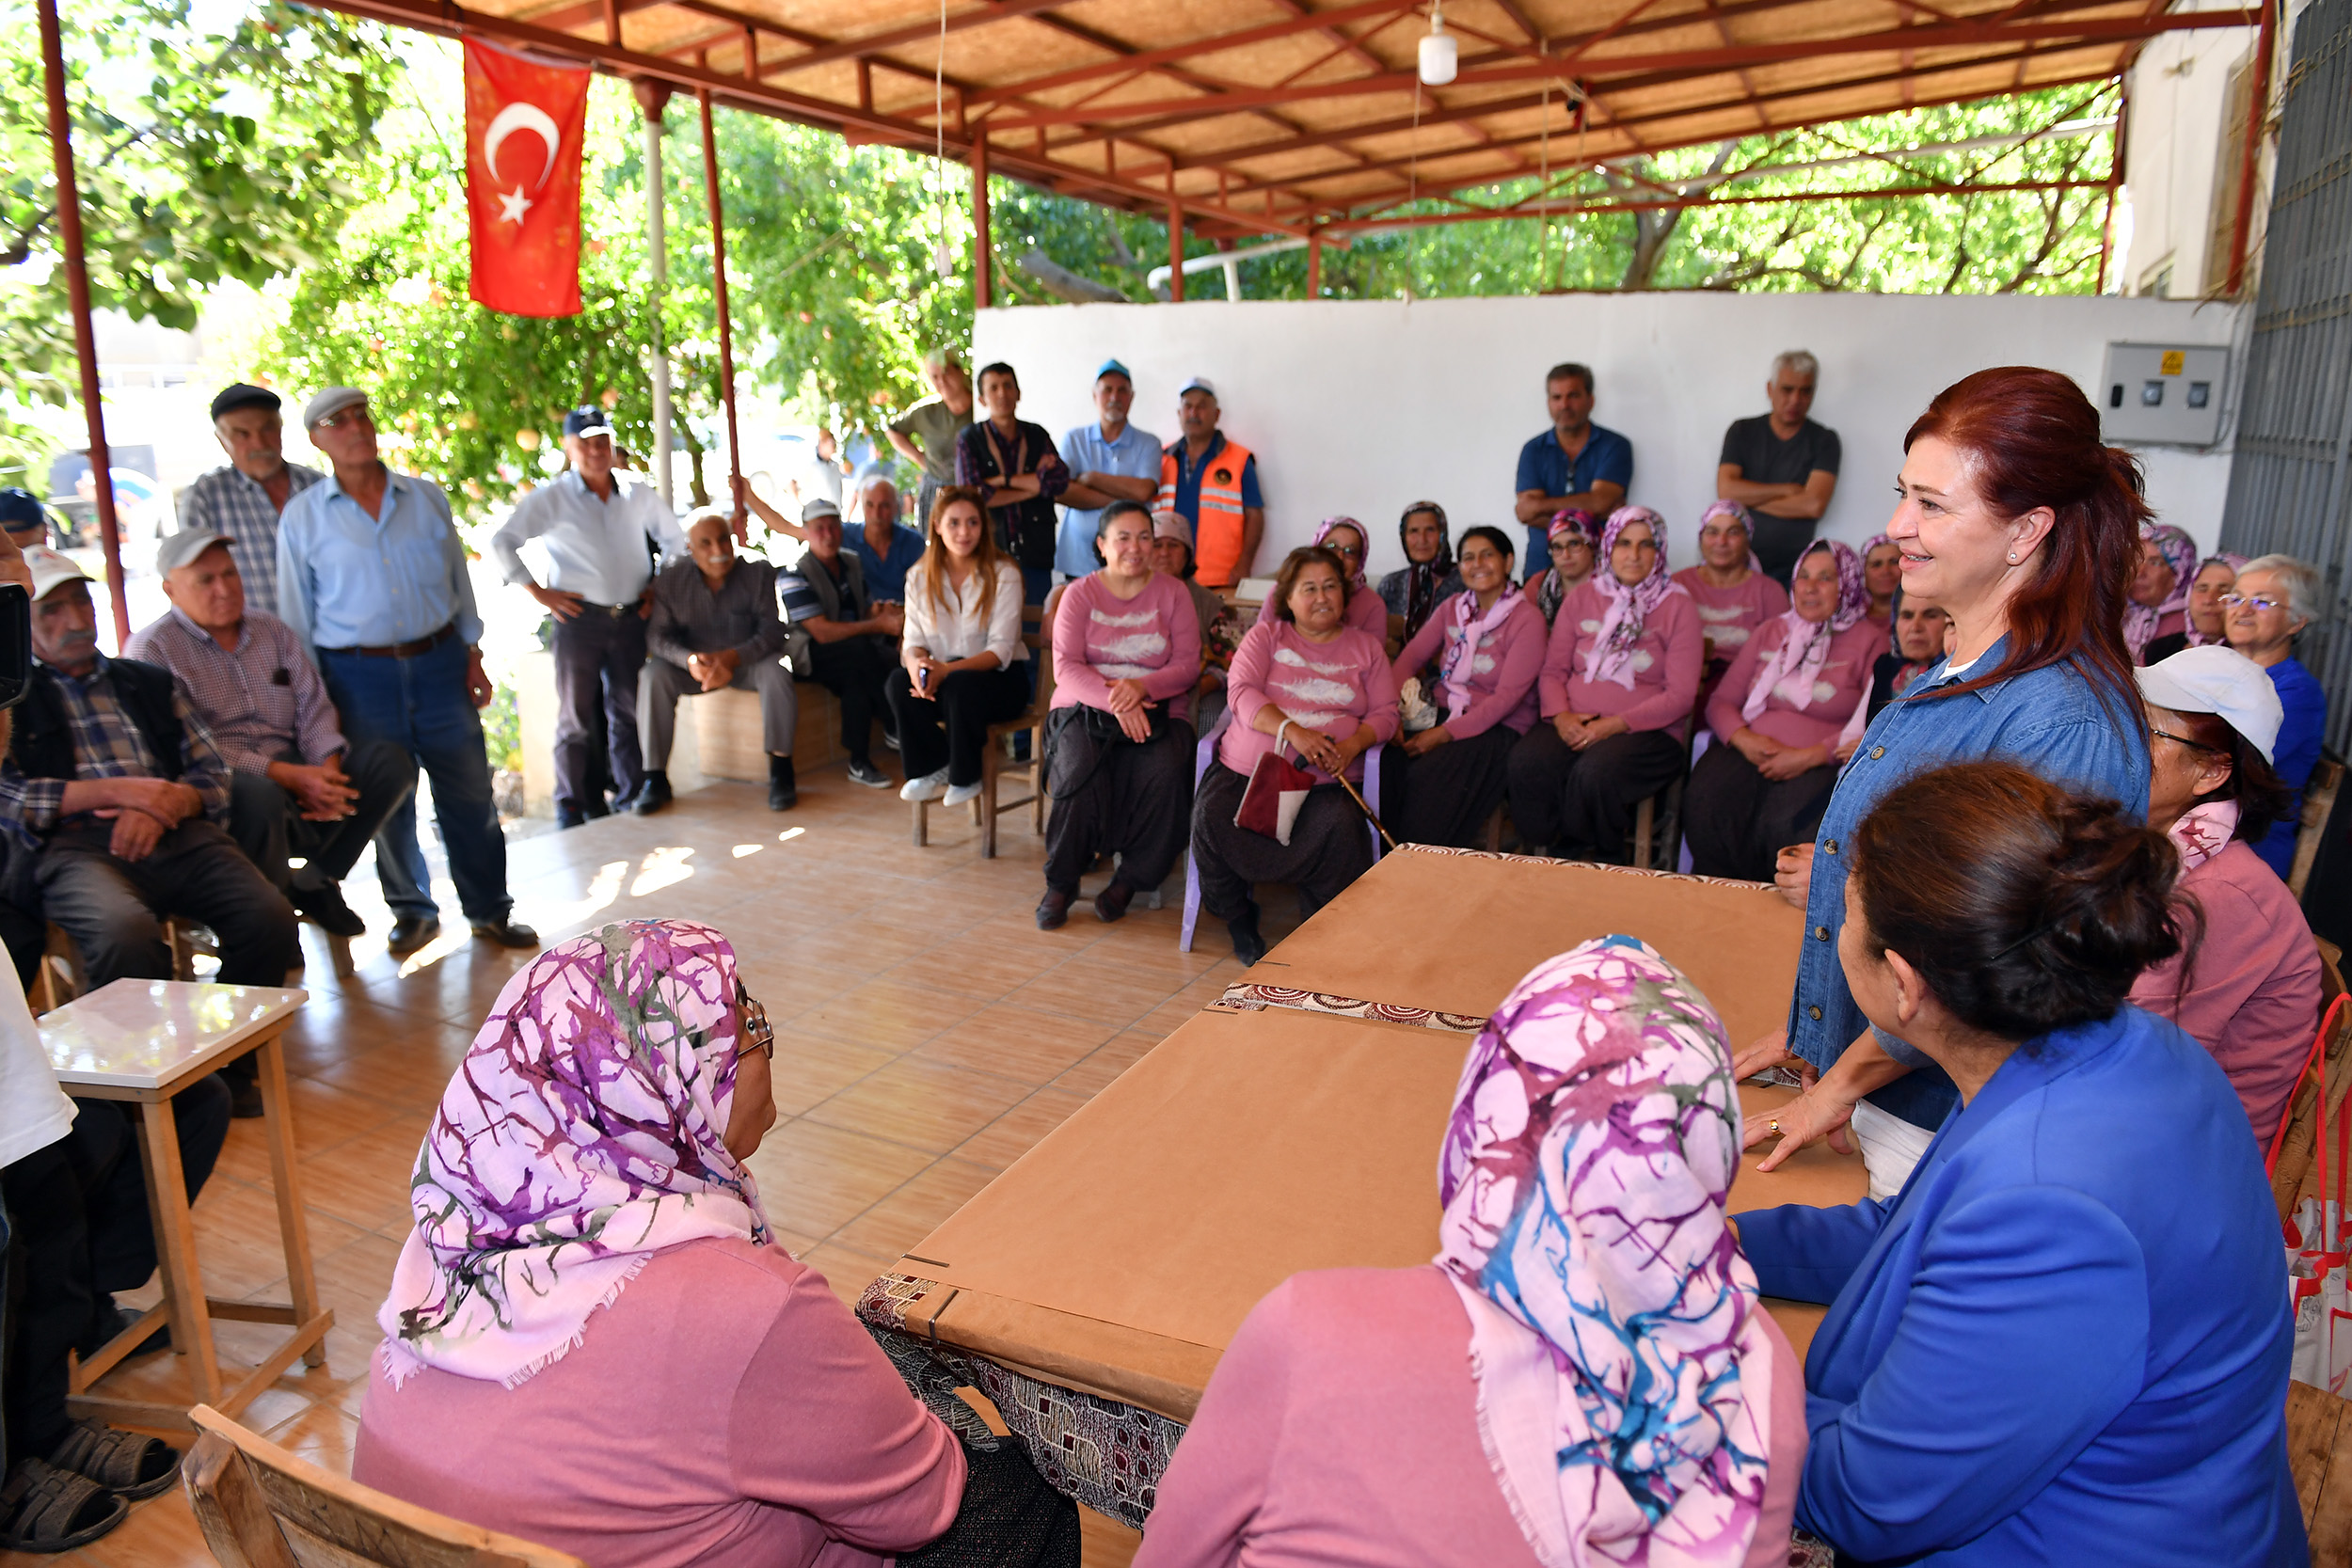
(1775, 1127)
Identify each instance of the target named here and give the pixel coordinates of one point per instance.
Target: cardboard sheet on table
(1120, 1253)
(1457, 932)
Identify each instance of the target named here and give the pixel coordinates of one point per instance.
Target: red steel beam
(1304, 22)
(1487, 214)
(2256, 111)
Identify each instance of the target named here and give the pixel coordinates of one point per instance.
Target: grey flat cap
(328, 401)
(180, 550)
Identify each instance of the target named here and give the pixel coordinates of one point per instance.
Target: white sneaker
(931, 787)
(959, 794)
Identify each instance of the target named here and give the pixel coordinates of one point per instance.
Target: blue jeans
(420, 705)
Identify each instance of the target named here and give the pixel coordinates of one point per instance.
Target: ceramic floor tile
(1010, 1136)
(890, 1013)
(815, 1179)
(1017, 1042)
(1104, 1542)
(1094, 994)
(928, 1105)
(1096, 1073)
(809, 1071)
(846, 1271)
(915, 1210)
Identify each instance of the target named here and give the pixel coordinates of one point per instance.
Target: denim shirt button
(1877, 752)
(1814, 1013)
(1821, 933)
(1831, 847)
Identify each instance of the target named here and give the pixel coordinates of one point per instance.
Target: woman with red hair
(2015, 518)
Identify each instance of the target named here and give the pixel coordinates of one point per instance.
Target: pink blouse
(1331, 687)
(1817, 719)
(1100, 638)
(1728, 617)
(1502, 667)
(1368, 611)
(1665, 664)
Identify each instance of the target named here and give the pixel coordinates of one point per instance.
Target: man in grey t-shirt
(926, 433)
(1781, 466)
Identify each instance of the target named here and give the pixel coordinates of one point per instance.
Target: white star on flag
(513, 205)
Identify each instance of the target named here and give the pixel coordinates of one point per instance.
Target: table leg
(175, 1244)
(286, 1182)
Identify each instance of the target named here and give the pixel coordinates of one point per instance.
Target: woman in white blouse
(961, 654)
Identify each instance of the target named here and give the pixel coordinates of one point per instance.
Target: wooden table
(141, 1043)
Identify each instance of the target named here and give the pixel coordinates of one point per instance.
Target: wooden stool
(141, 1043)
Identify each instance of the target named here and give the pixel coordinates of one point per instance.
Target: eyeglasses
(357, 414)
(2261, 602)
(757, 1033)
(2183, 740)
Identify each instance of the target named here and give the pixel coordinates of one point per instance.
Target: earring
(2013, 558)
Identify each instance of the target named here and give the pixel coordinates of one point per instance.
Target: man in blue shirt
(1110, 460)
(1574, 464)
(886, 547)
(372, 577)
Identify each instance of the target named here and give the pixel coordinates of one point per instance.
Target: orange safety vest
(1216, 533)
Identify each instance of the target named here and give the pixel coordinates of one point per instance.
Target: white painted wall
(1362, 407)
(2179, 88)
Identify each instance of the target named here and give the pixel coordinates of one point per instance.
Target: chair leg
(1036, 780)
(1644, 822)
(984, 804)
(922, 823)
(1192, 903)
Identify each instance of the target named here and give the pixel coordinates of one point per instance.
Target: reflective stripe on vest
(1216, 533)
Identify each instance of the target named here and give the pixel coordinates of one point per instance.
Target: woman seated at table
(2158, 603)
(1427, 579)
(1733, 596)
(592, 1338)
(1487, 644)
(962, 662)
(2251, 994)
(1172, 556)
(1118, 745)
(2215, 575)
(1345, 538)
(1560, 1386)
(1883, 574)
(1777, 717)
(1311, 686)
(1575, 542)
(2275, 599)
(2065, 1340)
(1620, 673)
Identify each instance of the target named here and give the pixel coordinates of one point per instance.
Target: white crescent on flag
(514, 117)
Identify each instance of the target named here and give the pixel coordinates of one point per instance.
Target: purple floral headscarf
(580, 1135)
(1323, 531)
(1610, 656)
(1550, 593)
(1795, 667)
(1747, 520)
(2180, 553)
(1623, 1365)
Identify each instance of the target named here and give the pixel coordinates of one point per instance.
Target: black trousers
(1735, 819)
(597, 655)
(949, 729)
(114, 908)
(1135, 801)
(1582, 802)
(1448, 793)
(853, 670)
(1330, 846)
(268, 825)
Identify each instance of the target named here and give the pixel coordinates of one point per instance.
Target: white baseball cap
(51, 569)
(1198, 384)
(2218, 680)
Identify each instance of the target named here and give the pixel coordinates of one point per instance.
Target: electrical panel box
(2169, 394)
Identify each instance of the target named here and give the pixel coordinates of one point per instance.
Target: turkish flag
(525, 122)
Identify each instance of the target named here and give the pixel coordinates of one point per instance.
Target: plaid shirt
(226, 501)
(106, 745)
(260, 702)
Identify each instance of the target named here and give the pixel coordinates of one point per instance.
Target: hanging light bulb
(943, 260)
(1439, 52)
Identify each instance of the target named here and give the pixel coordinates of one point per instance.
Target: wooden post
(77, 299)
(1314, 264)
(1175, 251)
(719, 299)
(2115, 179)
(2257, 110)
(980, 222)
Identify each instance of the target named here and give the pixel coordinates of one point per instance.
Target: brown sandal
(43, 1509)
(124, 1463)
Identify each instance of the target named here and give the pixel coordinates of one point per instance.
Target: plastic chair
(1201, 756)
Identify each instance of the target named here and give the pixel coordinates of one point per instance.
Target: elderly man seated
(296, 789)
(714, 624)
(886, 547)
(840, 637)
(115, 790)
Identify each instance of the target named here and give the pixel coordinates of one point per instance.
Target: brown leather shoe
(1053, 910)
(1111, 903)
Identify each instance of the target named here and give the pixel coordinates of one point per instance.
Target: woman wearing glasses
(2276, 597)
(1344, 537)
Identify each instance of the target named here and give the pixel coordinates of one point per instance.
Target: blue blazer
(2065, 1342)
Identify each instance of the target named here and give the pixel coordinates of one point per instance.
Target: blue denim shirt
(2053, 721)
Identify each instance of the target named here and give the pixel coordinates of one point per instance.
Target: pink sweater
(2253, 995)
(726, 1410)
(1845, 680)
(1367, 611)
(1100, 638)
(1502, 668)
(1665, 664)
(1728, 617)
(1342, 683)
(1342, 1428)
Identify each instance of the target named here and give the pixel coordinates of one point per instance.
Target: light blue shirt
(596, 546)
(346, 579)
(1134, 455)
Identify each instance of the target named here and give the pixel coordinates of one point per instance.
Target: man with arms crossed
(1781, 466)
(1110, 460)
(1574, 464)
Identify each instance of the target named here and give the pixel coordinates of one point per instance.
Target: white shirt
(595, 547)
(34, 1111)
(959, 632)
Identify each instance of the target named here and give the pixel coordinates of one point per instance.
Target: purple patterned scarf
(1458, 666)
(1623, 1365)
(579, 1136)
(1550, 591)
(1747, 522)
(2180, 553)
(1804, 644)
(1323, 531)
(1610, 656)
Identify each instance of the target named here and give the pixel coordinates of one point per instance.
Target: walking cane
(1369, 815)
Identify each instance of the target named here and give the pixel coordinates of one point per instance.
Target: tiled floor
(927, 1034)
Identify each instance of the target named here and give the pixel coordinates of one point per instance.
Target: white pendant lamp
(1439, 52)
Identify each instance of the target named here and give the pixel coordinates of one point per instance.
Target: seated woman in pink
(1487, 644)
(1344, 537)
(1306, 683)
(593, 1339)
(1118, 742)
(1733, 594)
(1776, 719)
(2249, 989)
(1620, 675)
(1560, 1386)
(2158, 605)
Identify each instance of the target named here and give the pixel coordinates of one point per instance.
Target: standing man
(294, 788)
(23, 519)
(1574, 464)
(1110, 460)
(883, 546)
(372, 577)
(248, 498)
(715, 626)
(841, 637)
(1214, 482)
(597, 524)
(1781, 466)
(927, 433)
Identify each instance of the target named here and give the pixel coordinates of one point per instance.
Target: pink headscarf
(2180, 553)
(1323, 531)
(1804, 644)
(1623, 1365)
(1610, 656)
(1747, 521)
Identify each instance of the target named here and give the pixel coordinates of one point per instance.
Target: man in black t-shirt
(1781, 466)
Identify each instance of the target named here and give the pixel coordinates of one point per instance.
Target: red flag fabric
(525, 122)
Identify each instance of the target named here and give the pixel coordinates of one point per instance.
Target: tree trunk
(1654, 226)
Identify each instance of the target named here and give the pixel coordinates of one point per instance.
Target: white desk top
(148, 1034)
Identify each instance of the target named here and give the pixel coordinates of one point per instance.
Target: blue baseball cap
(1112, 367)
(21, 510)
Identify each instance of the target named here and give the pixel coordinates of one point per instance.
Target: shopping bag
(1277, 787)
(2320, 1296)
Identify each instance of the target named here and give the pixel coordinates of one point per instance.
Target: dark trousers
(1133, 802)
(1330, 846)
(1582, 802)
(853, 669)
(1736, 820)
(268, 825)
(420, 705)
(114, 908)
(597, 655)
(949, 729)
(104, 1148)
(1448, 793)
